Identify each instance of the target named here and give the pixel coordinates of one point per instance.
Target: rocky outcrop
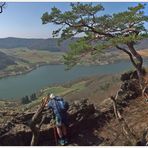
(128, 91)
(131, 75)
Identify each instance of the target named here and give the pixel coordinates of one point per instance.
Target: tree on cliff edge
(121, 30)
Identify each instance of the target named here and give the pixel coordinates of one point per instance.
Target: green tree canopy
(99, 31)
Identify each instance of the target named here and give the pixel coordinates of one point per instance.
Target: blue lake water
(26, 84)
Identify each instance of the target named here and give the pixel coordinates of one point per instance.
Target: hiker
(59, 107)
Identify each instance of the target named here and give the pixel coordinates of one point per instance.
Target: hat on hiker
(52, 96)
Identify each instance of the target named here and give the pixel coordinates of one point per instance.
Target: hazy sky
(24, 19)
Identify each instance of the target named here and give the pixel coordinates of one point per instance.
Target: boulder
(130, 89)
(131, 75)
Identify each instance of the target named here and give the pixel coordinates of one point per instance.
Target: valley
(25, 60)
(20, 55)
(22, 60)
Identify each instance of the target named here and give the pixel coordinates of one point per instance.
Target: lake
(26, 84)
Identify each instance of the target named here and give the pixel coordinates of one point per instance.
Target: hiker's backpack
(61, 104)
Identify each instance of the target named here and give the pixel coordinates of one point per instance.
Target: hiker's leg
(64, 130)
(64, 124)
(59, 126)
(61, 137)
(59, 131)
(65, 135)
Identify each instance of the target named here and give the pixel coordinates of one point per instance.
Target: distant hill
(39, 44)
(50, 44)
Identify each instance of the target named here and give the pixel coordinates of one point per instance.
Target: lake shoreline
(18, 86)
(64, 84)
(28, 70)
(52, 75)
(38, 65)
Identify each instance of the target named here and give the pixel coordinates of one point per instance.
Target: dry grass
(144, 52)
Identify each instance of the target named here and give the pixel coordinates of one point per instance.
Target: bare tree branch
(33, 125)
(2, 6)
(129, 54)
(125, 128)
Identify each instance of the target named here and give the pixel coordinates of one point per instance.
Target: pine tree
(121, 30)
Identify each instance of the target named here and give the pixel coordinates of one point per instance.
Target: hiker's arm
(49, 104)
(45, 101)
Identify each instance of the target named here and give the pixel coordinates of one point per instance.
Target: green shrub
(33, 97)
(25, 100)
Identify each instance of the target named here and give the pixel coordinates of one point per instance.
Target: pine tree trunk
(139, 62)
(132, 53)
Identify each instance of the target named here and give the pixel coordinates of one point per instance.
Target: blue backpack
(61, 104)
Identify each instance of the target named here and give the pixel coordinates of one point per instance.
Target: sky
(23, 19)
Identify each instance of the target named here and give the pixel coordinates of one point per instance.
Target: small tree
(25, 100)
(33, 97)
(121, 30)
